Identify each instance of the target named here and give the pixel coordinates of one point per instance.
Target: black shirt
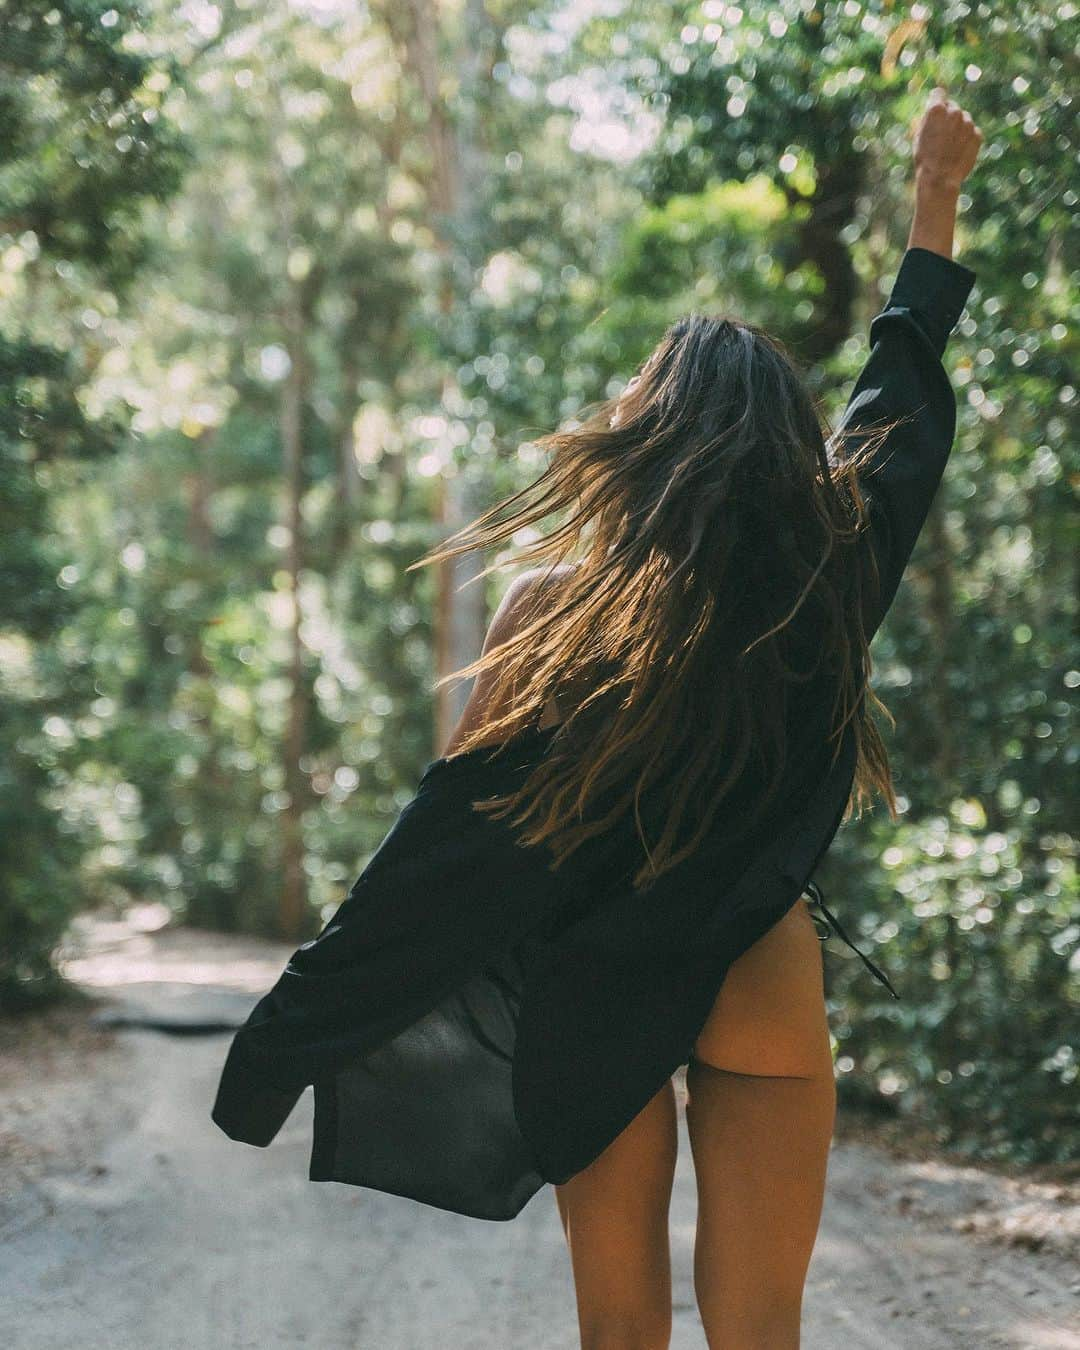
(475, 1025)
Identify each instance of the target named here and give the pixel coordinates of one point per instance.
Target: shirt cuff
(935, 289)
(247, 1107)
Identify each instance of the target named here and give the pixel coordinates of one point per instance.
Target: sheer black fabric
(475, 1025)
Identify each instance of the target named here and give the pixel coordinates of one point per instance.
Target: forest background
(286, 289)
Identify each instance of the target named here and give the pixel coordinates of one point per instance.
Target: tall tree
(82, 148)
(456, 196)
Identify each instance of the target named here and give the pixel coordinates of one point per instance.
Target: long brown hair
(703, 523)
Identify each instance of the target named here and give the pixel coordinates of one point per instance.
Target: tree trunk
(200, 535)
(456, 189)
(832, 207)
(462, 613)
(347, 484)
(293, 906)
(940, 608)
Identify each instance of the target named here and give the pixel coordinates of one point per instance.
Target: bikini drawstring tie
(831, 918)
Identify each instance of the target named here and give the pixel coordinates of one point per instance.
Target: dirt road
(129, 1222)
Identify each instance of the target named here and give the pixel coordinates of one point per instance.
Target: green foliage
(84, 143)
(82, 149)
(616, 172)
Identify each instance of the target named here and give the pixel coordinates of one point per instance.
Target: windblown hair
(705, 523)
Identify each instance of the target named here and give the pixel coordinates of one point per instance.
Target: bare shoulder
(512, 612)
(508, 617)
(512, 607)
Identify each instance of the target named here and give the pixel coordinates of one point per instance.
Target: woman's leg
(761, 1103)
(615, 1217)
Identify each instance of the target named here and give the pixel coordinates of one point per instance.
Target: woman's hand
(946, 145)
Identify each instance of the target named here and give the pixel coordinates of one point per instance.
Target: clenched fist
(946, 142)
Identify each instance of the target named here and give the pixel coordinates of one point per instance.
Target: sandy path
(129, 1222)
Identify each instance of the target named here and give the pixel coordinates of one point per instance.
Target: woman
(760, 1086)
(670, 728)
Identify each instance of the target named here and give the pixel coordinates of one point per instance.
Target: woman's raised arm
(904, 376)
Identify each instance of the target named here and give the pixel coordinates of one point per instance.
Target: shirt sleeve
(904, 377)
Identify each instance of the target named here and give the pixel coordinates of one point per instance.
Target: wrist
(935, 239)
(932, 184)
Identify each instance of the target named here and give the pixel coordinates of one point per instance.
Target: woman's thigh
(615, 1217)
(769, 1016)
